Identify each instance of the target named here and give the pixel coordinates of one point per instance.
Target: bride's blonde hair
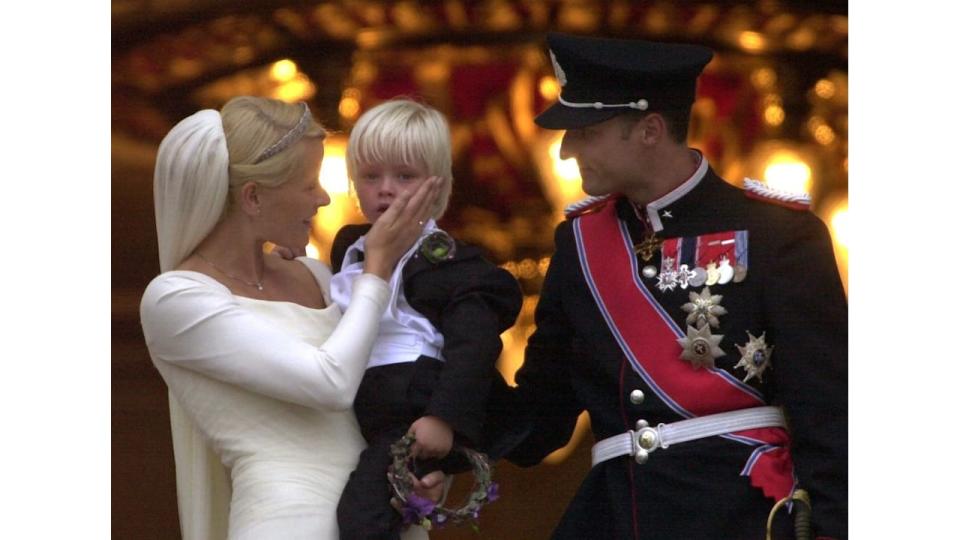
(209, 153)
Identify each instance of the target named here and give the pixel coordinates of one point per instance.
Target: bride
(261, 366)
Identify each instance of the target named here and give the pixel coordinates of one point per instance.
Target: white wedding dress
(261, 393)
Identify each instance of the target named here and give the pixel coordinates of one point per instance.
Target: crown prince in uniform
(702, 326)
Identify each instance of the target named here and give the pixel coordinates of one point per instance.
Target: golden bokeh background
(772, 106)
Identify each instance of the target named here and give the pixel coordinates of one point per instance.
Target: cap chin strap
(640, 104)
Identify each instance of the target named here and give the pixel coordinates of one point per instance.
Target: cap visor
(559, 116)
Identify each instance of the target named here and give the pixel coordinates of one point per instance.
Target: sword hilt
(801, 519)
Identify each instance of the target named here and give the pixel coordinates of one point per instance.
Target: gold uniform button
(636, 397)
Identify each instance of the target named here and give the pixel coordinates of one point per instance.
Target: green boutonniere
(438, 246)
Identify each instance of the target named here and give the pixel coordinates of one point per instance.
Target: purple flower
(493, 492)
(410, 516)
(417, 508)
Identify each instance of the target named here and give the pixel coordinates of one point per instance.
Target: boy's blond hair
(404, 131)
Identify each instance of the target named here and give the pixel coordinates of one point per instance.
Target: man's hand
(433, 438)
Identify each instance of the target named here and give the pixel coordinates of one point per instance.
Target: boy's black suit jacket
(471, 302)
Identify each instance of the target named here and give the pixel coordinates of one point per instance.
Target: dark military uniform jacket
(792, 295)
(471, 302)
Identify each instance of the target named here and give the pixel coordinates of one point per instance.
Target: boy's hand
(434, 438)
(431, 486)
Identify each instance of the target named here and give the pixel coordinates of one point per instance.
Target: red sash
(648, 337)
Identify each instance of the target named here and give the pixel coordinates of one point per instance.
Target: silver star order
(704, 308)
(667, 214)
(755, 357)
(700, 347)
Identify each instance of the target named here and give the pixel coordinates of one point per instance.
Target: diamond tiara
(289, 138)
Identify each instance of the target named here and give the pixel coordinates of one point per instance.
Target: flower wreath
(426, 513)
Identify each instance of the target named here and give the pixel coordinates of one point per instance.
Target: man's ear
(652, 129)
(250, 199)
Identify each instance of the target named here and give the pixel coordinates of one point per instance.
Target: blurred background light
(787, 171)
(342, 209)
(283, 70)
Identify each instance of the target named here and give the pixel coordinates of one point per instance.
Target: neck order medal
(647, 247)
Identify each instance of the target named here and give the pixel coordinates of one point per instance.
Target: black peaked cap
(595, 73)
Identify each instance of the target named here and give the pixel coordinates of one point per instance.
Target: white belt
(646, 439)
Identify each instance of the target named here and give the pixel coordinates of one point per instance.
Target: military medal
(754, 357)
(667, 280)
(683, 276)
(669, 276)
(739, 273)
(699, 277)
(713, 274)
(649, 271)
(740, 255)
(700, 347)
(675, 251)
(726, 271)
(720, 255)
(647, 247)
(703, 308)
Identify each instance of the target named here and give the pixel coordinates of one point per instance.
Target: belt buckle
(644, 440)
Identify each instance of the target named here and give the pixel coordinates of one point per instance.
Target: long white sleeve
(194, 322)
